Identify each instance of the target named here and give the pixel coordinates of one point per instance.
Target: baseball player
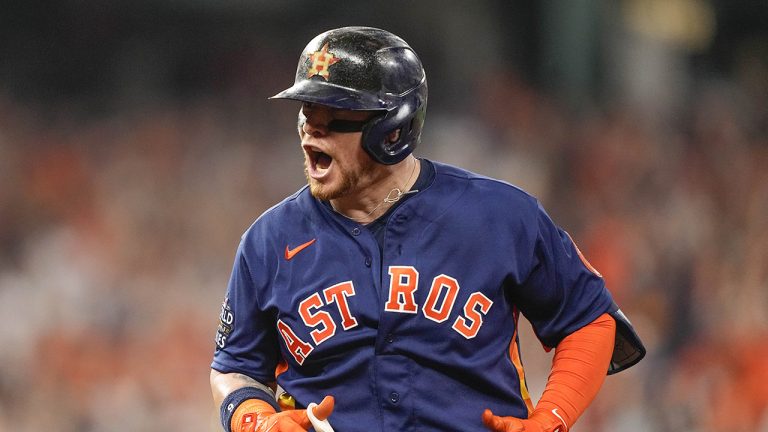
(385, 294)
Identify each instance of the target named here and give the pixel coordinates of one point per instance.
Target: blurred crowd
(118, 230)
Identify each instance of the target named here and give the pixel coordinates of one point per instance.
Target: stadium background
(136, 144)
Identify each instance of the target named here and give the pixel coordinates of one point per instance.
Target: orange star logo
(321, 61)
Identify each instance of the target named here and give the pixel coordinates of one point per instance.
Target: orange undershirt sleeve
(578, 370)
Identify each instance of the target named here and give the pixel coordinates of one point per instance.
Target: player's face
(335, 163)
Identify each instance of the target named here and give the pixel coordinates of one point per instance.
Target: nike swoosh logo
(290, 253)
(565, 425)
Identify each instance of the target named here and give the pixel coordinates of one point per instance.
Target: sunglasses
(347, 126)
(339, 125)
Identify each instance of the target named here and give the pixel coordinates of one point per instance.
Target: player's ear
(300, 124)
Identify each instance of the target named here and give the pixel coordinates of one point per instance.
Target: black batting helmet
(364, 68)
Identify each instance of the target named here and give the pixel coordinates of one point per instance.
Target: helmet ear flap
(376, 135)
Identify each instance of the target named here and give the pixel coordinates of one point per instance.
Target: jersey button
(394, 397)
(390, 338)
(355, 231)
(367, 261)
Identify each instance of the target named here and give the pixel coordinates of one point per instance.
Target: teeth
(312, 150)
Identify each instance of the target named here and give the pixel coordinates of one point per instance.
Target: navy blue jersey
(421, 335)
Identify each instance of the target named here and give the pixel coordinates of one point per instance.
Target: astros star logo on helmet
(321, 61)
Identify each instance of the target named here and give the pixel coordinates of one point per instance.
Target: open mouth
(320, 161)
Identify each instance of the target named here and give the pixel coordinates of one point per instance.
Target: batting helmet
(364, 68)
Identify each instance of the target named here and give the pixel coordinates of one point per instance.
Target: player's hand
(288, 421)
(514, 424)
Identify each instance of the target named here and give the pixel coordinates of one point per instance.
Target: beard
(349, 180)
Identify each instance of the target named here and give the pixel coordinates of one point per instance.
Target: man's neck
(368, 204)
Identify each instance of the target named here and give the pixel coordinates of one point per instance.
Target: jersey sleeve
(246, 338)
(562, 291)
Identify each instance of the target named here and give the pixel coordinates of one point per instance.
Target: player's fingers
(492, 422)
(289, 424)
(298, 417)
(325, 408)
(322, 412)
(501, 424)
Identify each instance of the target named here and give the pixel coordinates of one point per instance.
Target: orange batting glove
(256, 415)
(538, 422)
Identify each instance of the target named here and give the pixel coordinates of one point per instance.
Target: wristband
(234, 399)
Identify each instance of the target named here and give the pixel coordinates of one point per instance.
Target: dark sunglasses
(347, 126)
(340, 126)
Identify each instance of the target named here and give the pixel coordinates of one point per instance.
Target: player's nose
(317, 120)
(315, 129)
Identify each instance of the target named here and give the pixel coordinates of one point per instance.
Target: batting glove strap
(237, 397)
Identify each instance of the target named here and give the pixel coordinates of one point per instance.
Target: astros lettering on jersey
(425, 325)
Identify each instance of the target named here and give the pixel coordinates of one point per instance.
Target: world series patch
(226, 320)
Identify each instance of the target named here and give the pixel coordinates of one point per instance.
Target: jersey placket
(394, 373)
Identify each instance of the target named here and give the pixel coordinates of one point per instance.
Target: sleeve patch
(226, 324)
